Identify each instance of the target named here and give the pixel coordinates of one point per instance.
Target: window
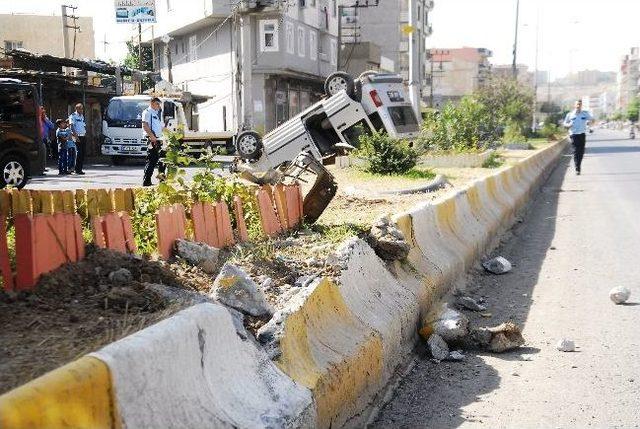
(291, 38)
(334, 53)
(193, 48)
(404, 119)
(353, 133)
(17, 105)
(269, 35)
(303, 3)
(313, 45)
(301, 42)
(10, 45)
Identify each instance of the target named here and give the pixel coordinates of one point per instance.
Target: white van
(374, 101)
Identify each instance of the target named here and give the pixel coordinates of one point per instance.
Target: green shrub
(513, 133)
(550, 131)
(385, 155)
(493, 161)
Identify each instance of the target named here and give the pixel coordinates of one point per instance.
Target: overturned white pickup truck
(374, 101)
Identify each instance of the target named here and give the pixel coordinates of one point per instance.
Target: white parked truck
(122, 128)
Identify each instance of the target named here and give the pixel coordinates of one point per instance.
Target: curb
(341, 340)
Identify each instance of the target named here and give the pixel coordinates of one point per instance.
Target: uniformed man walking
(79, 130)
(152, 127)
(577, 121)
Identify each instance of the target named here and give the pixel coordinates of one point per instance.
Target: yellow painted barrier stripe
(77, 395)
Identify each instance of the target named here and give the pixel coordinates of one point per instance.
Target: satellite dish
(166, 39)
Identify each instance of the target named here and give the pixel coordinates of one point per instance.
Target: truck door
(348, 118)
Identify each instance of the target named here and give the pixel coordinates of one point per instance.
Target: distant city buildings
(456, 72)
(628, 78)
(525, 77)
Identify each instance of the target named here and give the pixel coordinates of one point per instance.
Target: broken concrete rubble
(234, 288)
(497, 265)
(452, 326)
(199, 254)
(438, 347)
(619, 295)
(469, 303)
(566, 345)
(388, 241)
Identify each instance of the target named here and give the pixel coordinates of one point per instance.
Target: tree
(132, 61)
(633, 110)
(509, 100)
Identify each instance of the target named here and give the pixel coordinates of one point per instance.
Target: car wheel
(14, 172)
(339, 81)
(118, 160)
(248, 145)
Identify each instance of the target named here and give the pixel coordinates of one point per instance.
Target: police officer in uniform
(152, 126)
(577, 121)
(79, 130)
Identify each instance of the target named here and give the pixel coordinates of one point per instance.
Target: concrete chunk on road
(497, 265)
(566, 345)
(619, 295)
(234, 288)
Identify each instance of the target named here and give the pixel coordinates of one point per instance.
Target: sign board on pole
(135, 11)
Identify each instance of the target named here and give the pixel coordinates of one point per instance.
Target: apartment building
(42, 34)
(260, 62)
(454, 73)
(391, 26)
(628, 78)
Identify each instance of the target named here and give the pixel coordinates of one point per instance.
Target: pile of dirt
(77, 309)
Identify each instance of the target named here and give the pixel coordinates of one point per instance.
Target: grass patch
(338, 233)
(493, 161)
(415, 173)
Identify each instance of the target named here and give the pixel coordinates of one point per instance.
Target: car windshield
(122, 112)
(404, 119)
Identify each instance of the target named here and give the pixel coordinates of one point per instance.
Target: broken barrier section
(45, 242)
(114, 231)
(170, 225)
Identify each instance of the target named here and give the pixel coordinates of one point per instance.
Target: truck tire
(249, 145)
(339, 81)
(118, 160)
(14, 171)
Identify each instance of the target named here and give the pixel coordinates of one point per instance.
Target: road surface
(103, 175)
(580, 238)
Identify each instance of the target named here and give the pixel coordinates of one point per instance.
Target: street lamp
(514, 67)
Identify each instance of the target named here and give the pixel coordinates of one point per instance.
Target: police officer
(577, 121)
(152, 127)
(79, 131)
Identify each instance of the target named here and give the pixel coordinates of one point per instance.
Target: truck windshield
(404, 119)
(125, 113)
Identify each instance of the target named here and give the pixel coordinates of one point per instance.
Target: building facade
(42, 34)
(454, 73)
(397, 26)
(260, 65)
(628, 78)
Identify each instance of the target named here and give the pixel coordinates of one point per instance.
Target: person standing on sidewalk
(152, 127)
(79, 130)
(577, 122)
(46, 126)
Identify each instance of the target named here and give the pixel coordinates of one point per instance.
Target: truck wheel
(249, 145)
(118, 160)
(14, 172)
(339, 81)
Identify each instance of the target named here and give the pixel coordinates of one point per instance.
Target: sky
(573, 34)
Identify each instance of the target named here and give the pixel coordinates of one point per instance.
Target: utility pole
(246, 72)
(514, 67)
(534, 122)
(139, 46)
(341, 8)
(65, 31)
(414, 59)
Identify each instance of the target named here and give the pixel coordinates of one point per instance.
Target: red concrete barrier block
(127, 227)
(270, 224)
(241, 225)
(294, 205)
(205, 228)
(223, 222)
(279, 193)
(170, 226)
(114, 231)
(45, 242)
(5, 264)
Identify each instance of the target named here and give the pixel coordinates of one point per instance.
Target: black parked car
(21, 148)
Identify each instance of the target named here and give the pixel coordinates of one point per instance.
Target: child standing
(72, 153)
(63, 136)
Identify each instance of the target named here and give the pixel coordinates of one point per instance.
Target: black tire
(118, 160)
(14, 171)
(249, 145)
(337, 82)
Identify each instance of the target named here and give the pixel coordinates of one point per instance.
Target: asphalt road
(580, 238)
(103, 175)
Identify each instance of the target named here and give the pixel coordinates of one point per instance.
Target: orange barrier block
(294, 205)
(43, 243)
(114, 231)
(129, 200)
(223, 221)
(58, 205)
(268, 218)
(5, 265)
(279, 194)
(81, 202)
(170, 226)
(241, 225)
(205, 227)
(5, 202)
(68, 202)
